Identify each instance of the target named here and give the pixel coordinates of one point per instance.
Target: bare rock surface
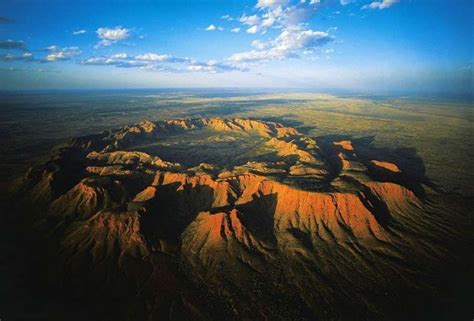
(237, 218)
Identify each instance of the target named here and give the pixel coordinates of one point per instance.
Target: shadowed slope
(288, 227)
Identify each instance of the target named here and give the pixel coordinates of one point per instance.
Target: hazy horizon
(339, 92)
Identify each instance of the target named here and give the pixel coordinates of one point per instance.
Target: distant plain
(435, 129)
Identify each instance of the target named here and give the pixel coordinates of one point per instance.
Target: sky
(386, 46)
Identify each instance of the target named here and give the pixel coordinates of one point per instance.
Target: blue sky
(366, 45)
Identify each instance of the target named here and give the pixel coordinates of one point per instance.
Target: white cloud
(212, 67)
(297, 14)
(384, 4)
(259, 44)
(287, 45)
(295, 36)
(117, 60)
(79, 32)
(253, 29)
(98, 61)
(53, 48)
(249, 20)
(57, 53)
(119, 56)
(270, 3)
(212, 27)
(109, 36)
(249, 56)
(267, 22)
(152, 57)
(280, 14)
(311, 2)
(202, 68)
(159, 62)
(227, 17)
(27, 56)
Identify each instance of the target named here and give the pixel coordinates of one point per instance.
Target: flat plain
(439, 131)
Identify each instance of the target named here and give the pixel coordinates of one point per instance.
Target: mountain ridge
(285, 215)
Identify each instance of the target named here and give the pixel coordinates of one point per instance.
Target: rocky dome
(242, 209)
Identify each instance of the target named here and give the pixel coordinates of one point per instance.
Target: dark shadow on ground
(412, 168)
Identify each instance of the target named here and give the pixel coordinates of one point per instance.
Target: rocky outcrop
(287, 207)
(386, 165)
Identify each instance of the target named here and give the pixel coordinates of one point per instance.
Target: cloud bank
(161, 62)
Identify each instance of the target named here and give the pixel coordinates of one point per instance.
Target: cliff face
(313, 224)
